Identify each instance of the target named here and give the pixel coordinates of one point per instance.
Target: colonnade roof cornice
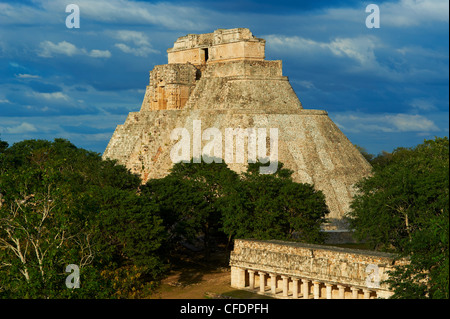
(325, 247)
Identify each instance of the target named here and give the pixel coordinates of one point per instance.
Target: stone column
(354, 292)
(341, 291)
(295, 288)
(251, 279)
(305, 288)
(316, 289)
(262, 281)
(329, 291)
(273, 283)
(285, 285)
(366, 294)
(237, 277)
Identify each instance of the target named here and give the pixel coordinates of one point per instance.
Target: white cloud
(405, 13)
(402, 13)
(422, 105)
(140, 41)
(307, 84)
(415, 50)
(100, 54)
(387, 123)
(141, 51)
(16, 65)
(282, 42)
(22, 14)
(49, 49)
(163, 14)
(360, 49)
(22, 128)
(52, 96)
(138, 38)
(27, 76)
(411, 123)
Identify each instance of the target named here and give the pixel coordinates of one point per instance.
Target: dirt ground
(193, 278)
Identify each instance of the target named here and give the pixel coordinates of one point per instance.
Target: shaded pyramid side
(309, 143)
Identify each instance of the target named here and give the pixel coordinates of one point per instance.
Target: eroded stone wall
(169, 87)
(219, 46)
(334, 272)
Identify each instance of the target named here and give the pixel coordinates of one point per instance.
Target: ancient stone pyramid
(223, 80)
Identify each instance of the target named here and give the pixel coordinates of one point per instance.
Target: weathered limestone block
(170, 86)
(221, 45)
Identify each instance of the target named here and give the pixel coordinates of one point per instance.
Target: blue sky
(384, 88)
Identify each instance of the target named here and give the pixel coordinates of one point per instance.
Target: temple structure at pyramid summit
(221, 80)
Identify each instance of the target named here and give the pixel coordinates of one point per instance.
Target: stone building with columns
(293, 270)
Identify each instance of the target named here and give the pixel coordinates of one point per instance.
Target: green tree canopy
(369, 157)
(403, 208)
(212, 201)
(63, 205)
(192, 198)
(3, 146)
(272, 206)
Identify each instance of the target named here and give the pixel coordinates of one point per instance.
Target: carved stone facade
(170, 86)
(219, 46)
(222, 79)
(297, 270)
